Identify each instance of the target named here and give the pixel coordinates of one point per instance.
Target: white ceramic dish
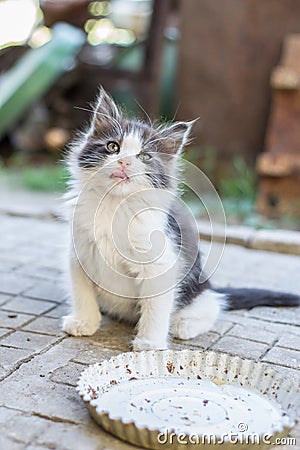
(176, 399)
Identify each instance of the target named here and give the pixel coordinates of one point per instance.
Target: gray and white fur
(133, 253)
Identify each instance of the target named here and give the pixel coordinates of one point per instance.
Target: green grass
(48, 178)
(242, 185)
(238, 195)
(45, 178)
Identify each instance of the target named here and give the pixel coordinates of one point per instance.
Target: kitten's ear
(105, 109)
(176, 136)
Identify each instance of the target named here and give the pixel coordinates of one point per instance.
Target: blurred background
(235, 65)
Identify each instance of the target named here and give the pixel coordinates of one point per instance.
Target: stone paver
(47, 290)
(4, 332)
(67, 374)
(28, 306)
(13, 319)
(36, 270)
(203, 341)
(222, 326)
(11, 357)
(4, 297)
(40, 365)
(289, 341)
(258, 334)
(241, 347)
(28, 341)
(45, 325)
(283, 357)
(280, 315)
(14, 285)
(59, 311)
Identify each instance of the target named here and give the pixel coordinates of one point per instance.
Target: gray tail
(240, 298)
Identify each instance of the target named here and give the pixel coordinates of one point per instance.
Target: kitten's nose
(124, 163)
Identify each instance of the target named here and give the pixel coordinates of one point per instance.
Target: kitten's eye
(144, 156)
(113, 147)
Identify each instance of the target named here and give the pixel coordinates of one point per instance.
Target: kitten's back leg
(199, 316)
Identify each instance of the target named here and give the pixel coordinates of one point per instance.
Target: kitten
(133, 252)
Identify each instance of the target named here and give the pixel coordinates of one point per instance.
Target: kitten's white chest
(123, 243)
(129, 234)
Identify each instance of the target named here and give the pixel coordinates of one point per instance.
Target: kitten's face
(128, 155)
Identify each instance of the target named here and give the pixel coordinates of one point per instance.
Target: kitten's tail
(240, 298)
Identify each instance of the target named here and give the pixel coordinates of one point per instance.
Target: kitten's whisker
(175, 114)
(110, 118)
(100, 114)
(83, 109)
(161, 139)
(154, 140)
(145, 112)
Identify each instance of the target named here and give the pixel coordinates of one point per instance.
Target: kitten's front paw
(145, 344)
(79, 327)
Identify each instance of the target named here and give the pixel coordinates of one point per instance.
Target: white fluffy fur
(198, 317)
(116, 228)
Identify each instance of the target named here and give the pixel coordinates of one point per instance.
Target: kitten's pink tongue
(119, 174)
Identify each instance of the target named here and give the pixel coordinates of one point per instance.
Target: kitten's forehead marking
(131, 144)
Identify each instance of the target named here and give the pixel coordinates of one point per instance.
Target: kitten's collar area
(121, 174)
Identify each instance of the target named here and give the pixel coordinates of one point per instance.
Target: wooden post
(279, 165)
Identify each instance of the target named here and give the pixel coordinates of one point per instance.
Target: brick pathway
(39, 365)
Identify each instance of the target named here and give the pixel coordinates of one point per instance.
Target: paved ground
(39, 365)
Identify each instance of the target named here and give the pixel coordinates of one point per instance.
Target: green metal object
(36, 72)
